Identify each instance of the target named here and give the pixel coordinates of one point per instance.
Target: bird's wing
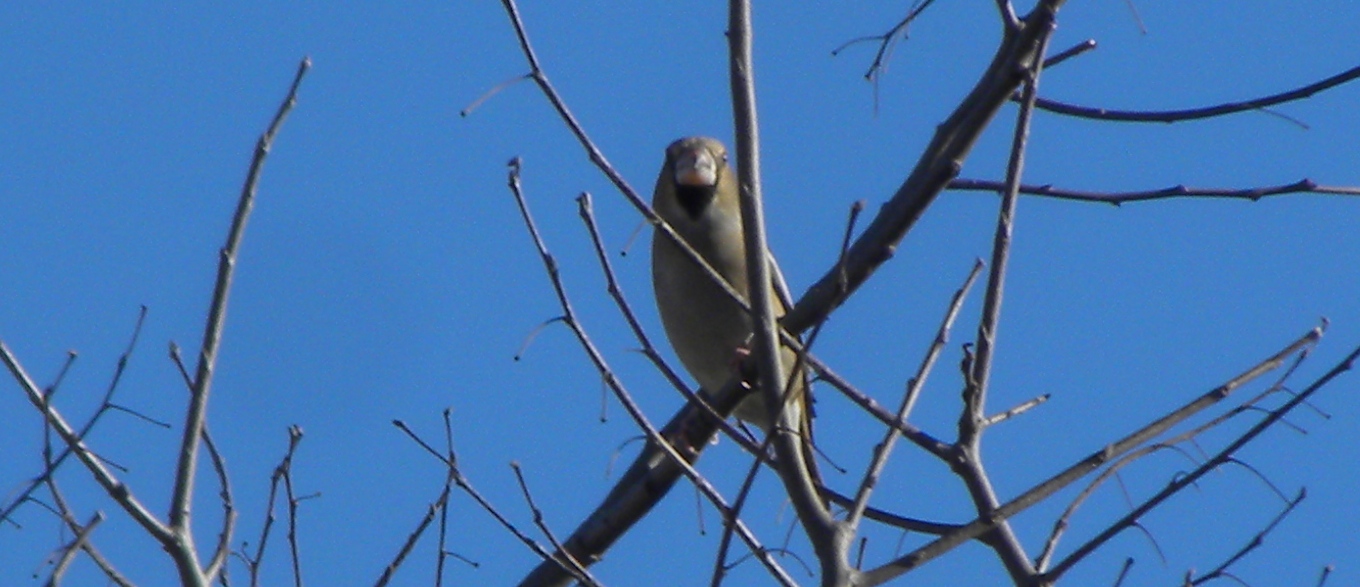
(809, 450)
(781, 287)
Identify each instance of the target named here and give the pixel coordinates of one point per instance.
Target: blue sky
(386, 275)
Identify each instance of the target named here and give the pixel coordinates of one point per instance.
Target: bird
(697, 194)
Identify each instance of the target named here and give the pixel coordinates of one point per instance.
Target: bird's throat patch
(695, 198)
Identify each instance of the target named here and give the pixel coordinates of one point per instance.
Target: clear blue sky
(385, 273)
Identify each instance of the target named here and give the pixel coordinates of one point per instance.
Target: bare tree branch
(1070, 52)
(105, 566)
(939, 164)
(181, 501)
(886, 41)
(115, 488)
(1218, 459)
(1085, 466)
(1202, 112)
(967, 461)
(884, 448)
(68, 554)
(52, 464)
(451, 462)
(562, 554)
(176, 537)
(1303, 186)
(830, 538)
(1255, 542)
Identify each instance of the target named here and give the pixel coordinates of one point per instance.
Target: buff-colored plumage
(697, 195)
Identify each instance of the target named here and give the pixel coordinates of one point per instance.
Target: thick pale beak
(696, 168)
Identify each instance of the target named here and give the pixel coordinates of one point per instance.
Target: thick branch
(829, 538)
(939, 164)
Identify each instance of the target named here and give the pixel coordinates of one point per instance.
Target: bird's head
(697, 166)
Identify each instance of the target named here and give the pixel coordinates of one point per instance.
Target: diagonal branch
(938, 164)
(1060, 526)
(105, 566)
(1223, 456)
(884, 448)
(1256, 541)
(115, 488)
(68, 555)
(1085, 466)
(50, 468)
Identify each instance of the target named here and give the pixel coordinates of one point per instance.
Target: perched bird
(697, 195)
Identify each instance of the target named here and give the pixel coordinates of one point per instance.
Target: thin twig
(1255, 542)
(914, 386)
(1021, 408)
(615, 289)
(440, 505)
(220, 554)
(1303, 186)
(450, 461)
(465, 112)
(52, 464)
(1137, 18)
(1202, 112)
(1326, 572)
(1218, 459)
(1123, 571)
(1071, 474)
(562, 553)
(731, 515)
(1061, 524)
(442, 549)
(124, 497)
(68, 554)
(254, 564)
(973, 417)
(891, 519)
(105, 566)
(885, 41)
(286, 469)
(1070, 52)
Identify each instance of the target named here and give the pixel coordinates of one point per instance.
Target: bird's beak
(696, 168)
